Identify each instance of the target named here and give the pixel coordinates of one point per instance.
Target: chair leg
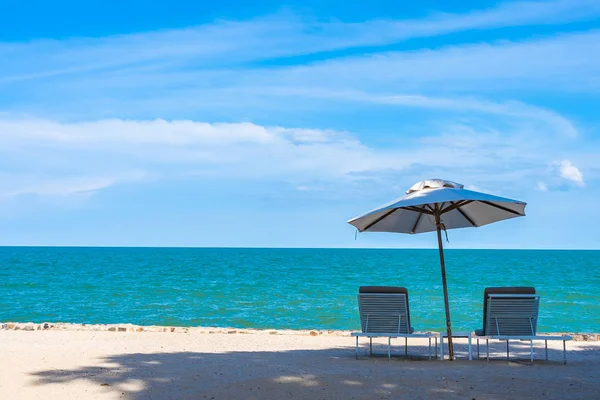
(531, 350)
(507, 352)
(371, 346)
(546, 349)
(405, 346)
(478, 356)
(436, 348)
(565, 352)
(429, 349)
(441, 346)
(470, 349)
(389, 350)
(487, 346)
(357, 347)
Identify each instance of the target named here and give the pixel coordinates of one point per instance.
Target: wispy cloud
(37, 182)
(66, 187)
(473, 125)
(568, 61)
(282, 35)
(515, 110)
(176, 88)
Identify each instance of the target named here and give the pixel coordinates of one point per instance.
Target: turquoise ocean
(285, 288)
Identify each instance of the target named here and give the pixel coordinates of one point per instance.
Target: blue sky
(272, 124)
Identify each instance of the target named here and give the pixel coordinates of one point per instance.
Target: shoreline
(131, 328)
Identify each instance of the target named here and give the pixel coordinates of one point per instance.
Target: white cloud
(157, 131)
(101, 150)
(473, 187)
(268, 150)
(62, 158)
(570, 172)
(542, 187)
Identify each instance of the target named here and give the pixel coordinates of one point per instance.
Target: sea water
(285, 288)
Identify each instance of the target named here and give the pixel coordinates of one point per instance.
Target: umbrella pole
(438, 224)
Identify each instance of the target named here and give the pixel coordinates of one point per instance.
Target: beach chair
(511, 313)
(384, 312)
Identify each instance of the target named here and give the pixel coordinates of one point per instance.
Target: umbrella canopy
(461, 208)
(436, 205)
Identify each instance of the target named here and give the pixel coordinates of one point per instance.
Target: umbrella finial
(433, 184)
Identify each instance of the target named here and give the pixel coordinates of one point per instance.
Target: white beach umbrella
(436, 205)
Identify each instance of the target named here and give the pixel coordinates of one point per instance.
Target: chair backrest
(384, 309)
(511, 311)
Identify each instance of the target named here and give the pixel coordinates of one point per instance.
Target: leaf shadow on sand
(335, 374)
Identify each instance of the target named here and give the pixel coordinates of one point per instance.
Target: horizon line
(293, 248)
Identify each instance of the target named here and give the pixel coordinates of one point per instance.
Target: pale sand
(150, 365)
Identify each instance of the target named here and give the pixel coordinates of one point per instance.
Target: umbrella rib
(489, 203)
(387, 214)
(417, 209)
(414, 228)
(454, 205)
(466, 216)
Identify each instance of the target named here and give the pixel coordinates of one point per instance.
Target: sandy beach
(237, 364)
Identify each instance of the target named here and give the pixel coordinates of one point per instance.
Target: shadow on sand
(336, 374)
